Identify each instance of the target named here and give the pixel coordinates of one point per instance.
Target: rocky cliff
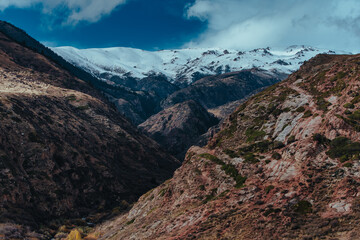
(284, 166)
(64, 152)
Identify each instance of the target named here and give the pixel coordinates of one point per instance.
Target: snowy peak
(184, 66)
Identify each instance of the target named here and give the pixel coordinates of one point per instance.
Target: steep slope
(215, 91)
(184, 66)
(64, 153)
(177, 128)
(286, 165)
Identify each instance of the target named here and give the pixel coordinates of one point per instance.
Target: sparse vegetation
(269, 188)
(321, 139)
(254, 135)
(33, 137)
(130, 222)
(349, 105)
(276, 156)
(344, 149)
(307, 114)
(212, 158)
(348, 165)
(303, 207)
(300, 109)
(291, 139)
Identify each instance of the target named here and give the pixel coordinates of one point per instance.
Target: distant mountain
(65, 152)
(285, 165)
(184, 66)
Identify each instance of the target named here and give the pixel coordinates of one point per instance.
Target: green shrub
(355, 116)
(231, 153)
(348, 165)
(269, 188)
(344, 149)
(212, 158)
(254, 135)
(349, 105)
(250, 158)
(130, 222)
(278, 145)
(300, 109)
(321, 139)
(307, 114)
(291, 139)
(303, 207)
(276, 156)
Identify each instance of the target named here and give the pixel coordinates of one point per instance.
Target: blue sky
(164, 24)
(141, 24)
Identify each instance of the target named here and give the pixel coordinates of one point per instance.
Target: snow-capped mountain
(185, 65)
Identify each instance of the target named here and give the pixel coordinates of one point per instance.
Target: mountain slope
(215, 91)
(64, 153)
(286, 165)
(184, 66)
(178, 127)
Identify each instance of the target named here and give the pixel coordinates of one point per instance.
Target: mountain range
(183, 66)
(266, 149)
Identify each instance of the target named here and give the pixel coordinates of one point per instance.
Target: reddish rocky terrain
(284, 166)
(64, 152)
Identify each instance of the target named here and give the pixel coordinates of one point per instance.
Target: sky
(165, 24)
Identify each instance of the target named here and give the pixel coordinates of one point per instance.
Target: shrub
(269, 188)
(349, 105)
(231, 153)
(303, 207)
(212, 158)
(300, 109)
(130, 222)
(291, 139)
(321, 139)
(250, 158)
(344, 149)
(307, 114)
(278, 144)
(254, 135)
(33, 137)
(348, 165)
(74, 235)
(276, 156)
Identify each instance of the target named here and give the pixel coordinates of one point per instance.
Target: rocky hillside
(178, 127)
(284, 166)
(64, 153)
(215, 91)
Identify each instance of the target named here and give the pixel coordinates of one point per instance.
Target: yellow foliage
(74, 235)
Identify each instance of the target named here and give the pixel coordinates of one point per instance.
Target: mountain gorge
(65, 153)
(141, 84)
(285, 165)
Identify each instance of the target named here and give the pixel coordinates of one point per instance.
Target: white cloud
(244, 24)
(74, 10)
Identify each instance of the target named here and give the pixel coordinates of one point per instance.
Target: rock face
(63, 151)
(177, 128)
(286, 165)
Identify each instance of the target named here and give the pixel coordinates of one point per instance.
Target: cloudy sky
(162, 24)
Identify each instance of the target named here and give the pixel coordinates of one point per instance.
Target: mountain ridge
(184, 66)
